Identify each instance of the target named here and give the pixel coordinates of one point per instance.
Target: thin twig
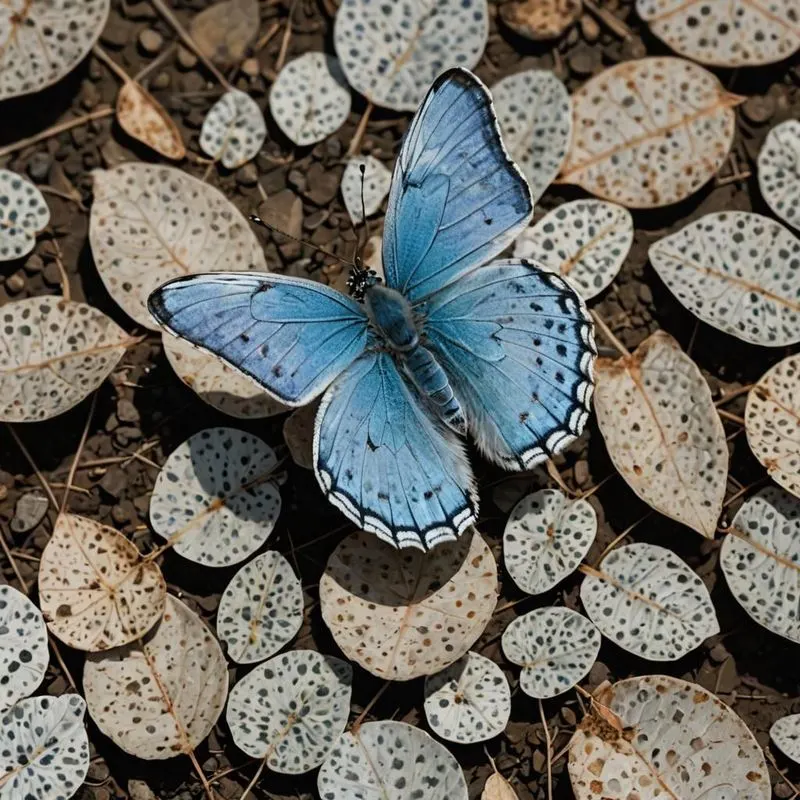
(360, 718)
(619, 538)
(60, 659)
(77, 457)
(287, 35)
(778, 770)
(267, 37)
(98, 52)
(355, 142)
(611, 21)
(596, 488)
(199, 770)
(66, 292)
(734, 394)
(165, 12)
(98, 113)
(142, 74)
(45, 485)
(549, 745)
(13, 563)
(255, 779)
(606, 331)
(730, 417)
(745, 489)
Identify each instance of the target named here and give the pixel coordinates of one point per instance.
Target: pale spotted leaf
(23, 213)
(234, 129)
(779, 171)
(540, 19)
(785, 732)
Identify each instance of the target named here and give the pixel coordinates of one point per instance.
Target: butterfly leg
(432, 382)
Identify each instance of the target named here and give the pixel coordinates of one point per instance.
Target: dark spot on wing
(372, 446)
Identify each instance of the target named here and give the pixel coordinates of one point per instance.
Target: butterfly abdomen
(432, 383)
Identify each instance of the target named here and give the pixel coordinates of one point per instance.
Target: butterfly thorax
(392, 317)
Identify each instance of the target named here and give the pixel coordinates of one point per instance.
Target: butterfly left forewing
(382, 458)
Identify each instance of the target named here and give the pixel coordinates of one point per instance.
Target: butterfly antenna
(258, 221)
(363, 248)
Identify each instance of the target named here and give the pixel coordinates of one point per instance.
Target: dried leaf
(779, 171)
(23, 649)
(161, 696)
(785, 732)
(498, 788)
(224, 31)
(376, 181)
(298, 433)
(585, 241)
(310, 99)
(218, 384)
(23, 213)
(663, 432)
(390, 761)
(261, 609)
(468, 702)
(535, 115)
(760, 557)
(680, 741)
(541, 19)
(649, 132)
(392, 52)
(43, 40)
(546, 538)
(555, 647)
(50, 748)
(214, 500)
(401, 614)
(234, 129)
(649, 602)
(151, 223)
(725, 33)
(95, 590)
(56, 353)
(291, 710)
(772, 422)
(737, 271)
(142, 117)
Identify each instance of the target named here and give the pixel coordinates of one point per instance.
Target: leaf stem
(606, 331)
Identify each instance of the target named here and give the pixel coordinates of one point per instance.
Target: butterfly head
(360, 280)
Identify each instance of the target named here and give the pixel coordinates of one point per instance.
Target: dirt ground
(144, 405)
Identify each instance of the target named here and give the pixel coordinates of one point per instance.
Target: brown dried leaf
(498, 788)
(655, 411)
(650, 132)
(541, 19)
(95, 590)
(298, 433)
(401, 614)
(224, 31)
(141, 116)
(161, 696)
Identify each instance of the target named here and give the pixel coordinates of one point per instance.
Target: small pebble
(251, 67)
(186, 58)
(161, 81)
(783, 790)
(30, 511)
(582, 472)
(15, 283)
(247, 175)
(39, 166)
(589, 28)
(127, 411)
(759, 109)
(584, 61)
(539, 761)
(34, 263)
(151, 41)
(116, 32)
(52, 274)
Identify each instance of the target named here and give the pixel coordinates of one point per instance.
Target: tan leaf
(498, 788)
(95, 590)
(141, 116)
(401, 614)
(161, 696)
(56, 352)
(650, 132)
(663, 433)
(224, 31)
(541, 19)
(772, 421)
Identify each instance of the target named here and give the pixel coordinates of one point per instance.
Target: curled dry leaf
(663, 432)
(217, 384)
(160, 696)
(151, 223)
(649, 602)
(737, 271)
(679, 741)
(43, 40)
(401, 614)
(469, 701)
(779, 171)
(56, 353)
(298, 433)
(785, 732)
(392, 52)
(546, 538)
(23, 213)
(142, 117)
(214, 500)
(391, 761)
(585, 241)
(498, 788)
(261, 609)
(310, 99)
(725, 33)
(234, 129)
(23, 648)
(95, 590)
(224, 31)
(649, 132)
(540, 19)
(50, 748)
(555, 647)
(772, 422)
(535, 116)
(291, 710)
(760, 557)
(376, 181)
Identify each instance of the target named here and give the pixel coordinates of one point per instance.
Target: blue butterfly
(448, 345)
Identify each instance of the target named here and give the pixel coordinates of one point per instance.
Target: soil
(145, 408)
